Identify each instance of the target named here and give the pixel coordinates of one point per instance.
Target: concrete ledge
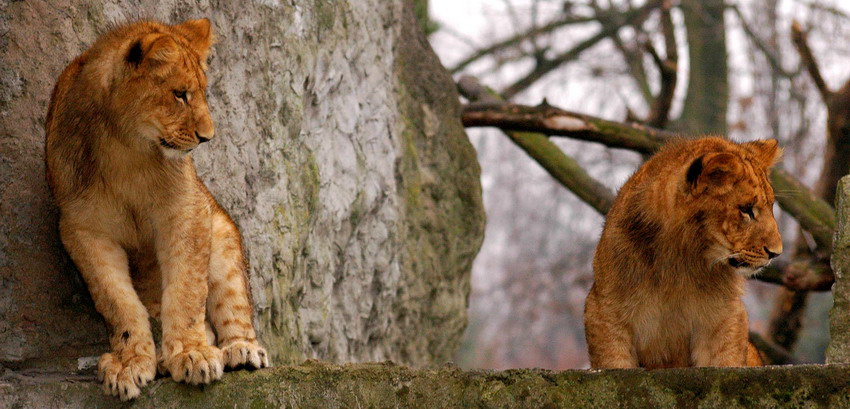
(385, 385)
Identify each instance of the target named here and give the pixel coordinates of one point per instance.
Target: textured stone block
(339, 153)
(839, 317)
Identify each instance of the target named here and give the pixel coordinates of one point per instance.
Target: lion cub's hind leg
(610, 344)
(229, 304)
(104, 266)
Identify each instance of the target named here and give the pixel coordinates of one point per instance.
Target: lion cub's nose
(770, 254)
(202, 139)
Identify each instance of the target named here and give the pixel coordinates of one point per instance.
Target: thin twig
(768, 53)
(546, 66)
(800, 40)
(520, 38)
(668, 69)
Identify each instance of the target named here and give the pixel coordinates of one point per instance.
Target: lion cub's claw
(245, 353)
(198, 365)
(125, 379)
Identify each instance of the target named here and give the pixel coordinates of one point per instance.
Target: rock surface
(339, 153)
(316, 385)
(839, 318)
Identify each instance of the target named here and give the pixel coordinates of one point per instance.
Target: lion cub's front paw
(196, 365)
(245, 353)
(125, 377)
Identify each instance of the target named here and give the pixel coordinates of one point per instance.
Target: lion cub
(682, 236)
(146, 235)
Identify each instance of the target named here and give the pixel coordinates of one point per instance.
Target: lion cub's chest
(127, 207)
(664, 326)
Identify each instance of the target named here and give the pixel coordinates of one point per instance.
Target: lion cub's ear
(153, 49)
(713, 170)
(766, 152)
(199, 34)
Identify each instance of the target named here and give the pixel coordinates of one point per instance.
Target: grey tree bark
(708, 86)
(340, 155)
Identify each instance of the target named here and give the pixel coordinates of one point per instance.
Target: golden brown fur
(677, 246)
(146, 235)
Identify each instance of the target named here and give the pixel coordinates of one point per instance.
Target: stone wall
(839, 318)
(320, 386)
(339, 153)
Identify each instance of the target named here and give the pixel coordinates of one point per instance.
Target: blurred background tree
(738, 68)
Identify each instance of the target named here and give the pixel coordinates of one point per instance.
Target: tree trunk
(708, 89)
(341, 157)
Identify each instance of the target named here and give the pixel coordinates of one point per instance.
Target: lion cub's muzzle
(166, 144)
(202, 138)
(187, 147)
(753, 259)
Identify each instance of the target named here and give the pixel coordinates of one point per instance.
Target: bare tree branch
(544, 66)
(637, 70)
(776, 355)
(547, 65)
(801, 274)
(660, 104)
(787, 317)
(768, 53)
(800, 40)
(668, 69)
(552, 121)
(559, 165)
(520, 38)
(671, 46)
(817, 5)
(632, 56)
(814, 214)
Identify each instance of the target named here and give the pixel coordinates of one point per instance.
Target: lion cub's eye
(181, 95)
(747, 210)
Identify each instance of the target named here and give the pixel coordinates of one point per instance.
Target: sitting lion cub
(682, 236)
(141, 227)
